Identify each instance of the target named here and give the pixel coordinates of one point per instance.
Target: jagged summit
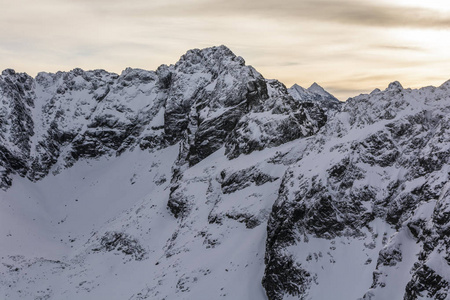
(394, 86)
(221, 55)
(209, 57)
(316, 93)
(7, 72)
(315, 88)
(296, 86)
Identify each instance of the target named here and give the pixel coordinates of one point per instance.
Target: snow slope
(54, 228)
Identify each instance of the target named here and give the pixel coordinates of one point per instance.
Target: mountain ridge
(194, 75)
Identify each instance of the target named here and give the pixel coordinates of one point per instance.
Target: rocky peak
(394, 87)
(8, 72)
(315, 93)
(213, 59)
(315, 88)
(298, 88)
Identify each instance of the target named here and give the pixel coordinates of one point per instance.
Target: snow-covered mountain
(203, 180)
(362, 213)
(316, 93)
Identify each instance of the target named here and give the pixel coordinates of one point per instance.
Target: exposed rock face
(122, 242)
(16, 124)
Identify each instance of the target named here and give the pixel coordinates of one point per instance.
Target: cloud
(400, 48)
(352, 12)
(343, 93)
(356, 12)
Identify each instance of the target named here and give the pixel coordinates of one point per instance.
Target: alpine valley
(204, 180)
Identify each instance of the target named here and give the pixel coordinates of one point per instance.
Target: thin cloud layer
(354, 12)
(360, 13)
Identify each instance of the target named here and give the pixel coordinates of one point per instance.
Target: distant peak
(77, 72)
(317, 89)
(377, 90)
(314, 93)
(315, 85)
(298, 88)
(394, 86)
(7, 72)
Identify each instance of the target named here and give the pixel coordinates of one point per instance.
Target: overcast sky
(347, 46)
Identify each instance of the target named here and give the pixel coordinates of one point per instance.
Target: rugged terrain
(204, 180)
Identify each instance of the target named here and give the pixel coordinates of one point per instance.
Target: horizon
(348, 47)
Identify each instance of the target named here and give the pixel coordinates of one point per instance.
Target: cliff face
(203, 179)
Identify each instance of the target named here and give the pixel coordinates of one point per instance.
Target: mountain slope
(365, 202)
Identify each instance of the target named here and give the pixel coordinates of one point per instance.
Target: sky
(347, 46)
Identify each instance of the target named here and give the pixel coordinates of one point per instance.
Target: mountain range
(204, 180)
